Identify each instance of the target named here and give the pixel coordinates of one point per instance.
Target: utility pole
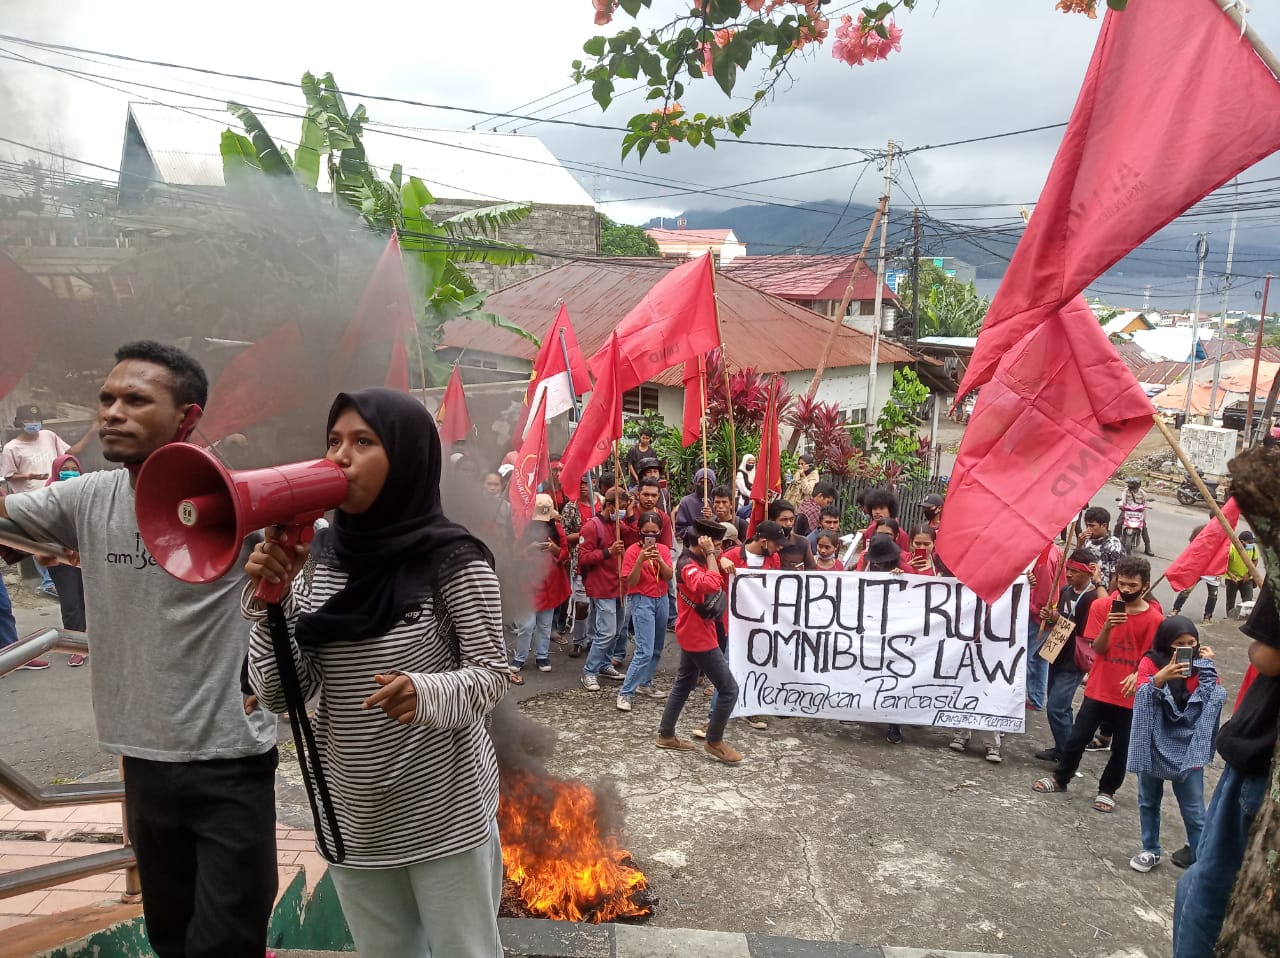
(1250, 431)
(1202, 253)
(915, 274)
(869, 432)
(1222, 316)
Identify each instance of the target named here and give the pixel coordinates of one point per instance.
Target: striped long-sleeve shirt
(403, 793)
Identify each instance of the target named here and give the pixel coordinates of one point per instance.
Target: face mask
(1130, 596)
(31, 428)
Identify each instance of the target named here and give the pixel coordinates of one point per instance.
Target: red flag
(550, 376)
(695, 398)
(600, 426)
(1207, 553)
(27, 312)
(452, 419)
(1174, 104)
(385, 315)
(268, 378)
(532, 467)
(675, 321)
(767, 484)
(1153, 131)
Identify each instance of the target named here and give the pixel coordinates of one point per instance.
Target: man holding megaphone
(199, 771)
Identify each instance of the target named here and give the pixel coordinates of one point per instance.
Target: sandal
(1047, 785)
(515, 678)
(1104, 803)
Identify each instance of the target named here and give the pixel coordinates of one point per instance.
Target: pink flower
(708, 63)
(856, 44)
(755, 6)
(817, 34)
(604, 11)
(723, 37)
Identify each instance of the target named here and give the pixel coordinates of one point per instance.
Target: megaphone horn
(194, 513)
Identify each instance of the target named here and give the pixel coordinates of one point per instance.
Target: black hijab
(395, 553)
(1161, 652)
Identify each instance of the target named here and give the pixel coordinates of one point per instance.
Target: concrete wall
(565, 230)
(846, 386)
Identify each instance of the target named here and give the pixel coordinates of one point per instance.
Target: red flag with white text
(550, 377)
(767, 484)
(674, 322)
(453, 421)
(1207, 552)
(532, 468)
(1153, 131)
(600, 426)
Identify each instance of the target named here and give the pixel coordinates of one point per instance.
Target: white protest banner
(876, 647)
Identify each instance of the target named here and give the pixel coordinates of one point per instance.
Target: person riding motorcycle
(1134, 498)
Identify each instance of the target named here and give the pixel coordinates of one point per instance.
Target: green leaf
(662, 145)
(627, 67)
(493, 319)
(724, 70)
(487, 220)
(594, 47)
(693, 136)
(632, 7)
(397, 174)
(272, 160)
(239, 158)
(602, 92)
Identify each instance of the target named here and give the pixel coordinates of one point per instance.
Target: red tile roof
(808, 277)
(759, 330)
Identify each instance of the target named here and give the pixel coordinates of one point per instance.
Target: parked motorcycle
(1189, 493)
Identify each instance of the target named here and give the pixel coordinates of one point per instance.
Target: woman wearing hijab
(1176, 708)
(396, 626)
(746, 477)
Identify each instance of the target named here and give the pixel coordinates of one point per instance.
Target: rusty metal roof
(769, 333)
(808, 277)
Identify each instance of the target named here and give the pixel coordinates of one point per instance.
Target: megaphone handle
(304, 739)
(270, 593)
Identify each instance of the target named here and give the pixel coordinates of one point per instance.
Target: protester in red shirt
(1122, 630)
(700, 593)
(883, 504)
(646, 570)
(599, 553)
(646, 502)
(545, 558)
(923, 560)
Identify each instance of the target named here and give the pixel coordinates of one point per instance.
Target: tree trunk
(1252, 925)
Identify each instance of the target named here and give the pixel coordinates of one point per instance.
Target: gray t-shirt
(166, 655)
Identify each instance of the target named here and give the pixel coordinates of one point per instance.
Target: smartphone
(922, 554)
(649, 541)
(1183, 655)
(1117, 605)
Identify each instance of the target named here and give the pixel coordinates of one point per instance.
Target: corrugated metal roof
(760, 330)
(689, 236)
(808, 277)
(454, 164)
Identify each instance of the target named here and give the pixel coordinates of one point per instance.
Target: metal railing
(28, 796)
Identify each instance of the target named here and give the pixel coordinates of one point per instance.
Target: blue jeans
(1201, 901)
(1037, 668)
(1057, 708)
(8, 627)
(1189, 791)
(534, 629)
(649, 616)
(604, 635)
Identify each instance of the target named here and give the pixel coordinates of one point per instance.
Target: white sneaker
(590, 682)
(959, 742)
(1144, 862)
(624, 703)
(701, 732)
(993, 754)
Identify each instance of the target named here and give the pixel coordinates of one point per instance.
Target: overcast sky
(967, 68)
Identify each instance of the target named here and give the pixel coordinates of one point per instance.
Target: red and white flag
(601, 423)
(550, 376)
(674, 322)
(453, 421)
(532, 468)
(767, 484)
(1155, 129)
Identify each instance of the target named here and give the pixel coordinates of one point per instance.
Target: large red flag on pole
(767, 484)
(695, 399)
(532, 467)
(268, 378)
(1207, 553)
(550, 375)
(675, 321)
(1153, 131)
(453, 421)
(601, 423)
(27, 312)
(384, 315)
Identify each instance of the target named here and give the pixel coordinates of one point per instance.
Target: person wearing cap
(932, 506)
(545, 556)
(700, 576)
(1239, 581)
(697, 504)
(647, 500)
(762, 551)
(651, 468)
(641, 450)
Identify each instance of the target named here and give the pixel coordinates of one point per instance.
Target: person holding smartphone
(923, 560)
(647, 570)
(545, 559)
(1176, 709)
(1121, 631)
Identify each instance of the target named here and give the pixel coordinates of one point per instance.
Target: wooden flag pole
(728, 393)
(617, 514)
(1232, 8)
(702, 390)
(577, 416)
(1057, 577)
(1208, 498)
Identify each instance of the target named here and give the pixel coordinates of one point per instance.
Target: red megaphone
(194, 513)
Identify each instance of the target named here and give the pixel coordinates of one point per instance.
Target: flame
(554, 852)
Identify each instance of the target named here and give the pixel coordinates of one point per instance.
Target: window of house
(853, 416)
(640, 400)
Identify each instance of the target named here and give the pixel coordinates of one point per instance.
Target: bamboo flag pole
(1057, 577)
(702, 390)
(728, 393)
(1208, 498)
(1233, 8)
(617, 514)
